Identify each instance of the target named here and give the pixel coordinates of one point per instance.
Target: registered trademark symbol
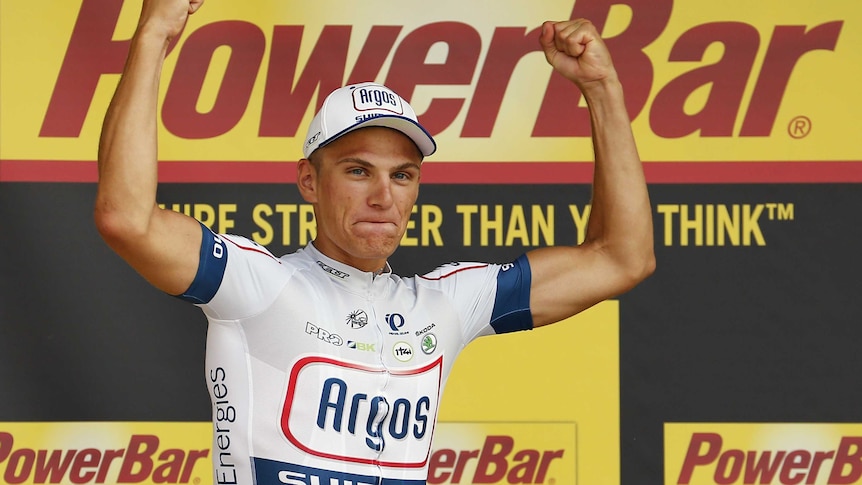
(799, 127)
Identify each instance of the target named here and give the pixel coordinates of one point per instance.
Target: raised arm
(162, 245)
(617, 252)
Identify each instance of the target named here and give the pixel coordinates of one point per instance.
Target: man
(293, 401)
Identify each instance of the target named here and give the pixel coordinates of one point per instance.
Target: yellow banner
(152, 453)
(90, 453)
(763, 454)
(732, 81)
(564, 373)
(504, 453)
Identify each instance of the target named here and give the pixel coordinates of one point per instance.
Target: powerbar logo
(499, 460)
(142, 461)
(93, 53)
(708, 457)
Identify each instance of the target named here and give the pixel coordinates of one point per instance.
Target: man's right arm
(162, 245)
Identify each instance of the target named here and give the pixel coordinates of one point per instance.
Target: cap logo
(313, 139)
(365, 99)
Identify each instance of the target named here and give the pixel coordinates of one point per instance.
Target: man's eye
(356, 171)
(403, 176)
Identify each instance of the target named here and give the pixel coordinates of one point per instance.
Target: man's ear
(306, 180)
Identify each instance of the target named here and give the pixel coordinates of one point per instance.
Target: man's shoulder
(454, 269)
(253, 251)
(246, 244)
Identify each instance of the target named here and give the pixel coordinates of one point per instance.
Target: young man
(293, 401)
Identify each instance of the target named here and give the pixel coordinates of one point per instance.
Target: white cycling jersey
(321, 374)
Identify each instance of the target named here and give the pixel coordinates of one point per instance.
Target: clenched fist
(575, 50)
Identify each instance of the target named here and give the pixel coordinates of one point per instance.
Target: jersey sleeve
(489, 298)
(236, 277)
(511, 311)
(211, 268)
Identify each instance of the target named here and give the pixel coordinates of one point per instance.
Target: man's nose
(381, 193)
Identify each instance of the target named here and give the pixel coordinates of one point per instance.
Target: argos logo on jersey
(362, 414)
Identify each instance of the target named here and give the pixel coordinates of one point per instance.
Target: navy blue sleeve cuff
(512, 306)
(211, 268)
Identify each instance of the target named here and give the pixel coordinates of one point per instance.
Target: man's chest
(397, 331)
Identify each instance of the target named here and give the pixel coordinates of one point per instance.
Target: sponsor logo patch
(324, 335)
(357, 319)
(402, 351)
(329, 269)
(395, 321)
(353, 419)
(429, 344)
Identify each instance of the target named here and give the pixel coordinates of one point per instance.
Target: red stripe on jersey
(253, 249)
(453, 272)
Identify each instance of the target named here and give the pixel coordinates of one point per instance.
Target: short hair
(315, 158)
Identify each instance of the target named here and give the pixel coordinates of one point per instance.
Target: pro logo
(323, 335)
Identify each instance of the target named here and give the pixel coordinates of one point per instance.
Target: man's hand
(575, 50)
(167, 17)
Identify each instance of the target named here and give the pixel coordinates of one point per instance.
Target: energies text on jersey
(321, 374)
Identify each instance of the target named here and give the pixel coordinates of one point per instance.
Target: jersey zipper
(383, 411)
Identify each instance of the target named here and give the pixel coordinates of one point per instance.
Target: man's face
(363, 187)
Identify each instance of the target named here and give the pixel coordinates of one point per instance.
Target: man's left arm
(617, 252)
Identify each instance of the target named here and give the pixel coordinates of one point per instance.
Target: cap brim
(423, 140)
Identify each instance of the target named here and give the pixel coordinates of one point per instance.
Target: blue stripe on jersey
(211, 267)
(269, 472)
(512, 305)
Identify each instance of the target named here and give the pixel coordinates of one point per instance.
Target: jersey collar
(345, 274)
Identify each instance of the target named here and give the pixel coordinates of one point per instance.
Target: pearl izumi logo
(357, 319)
(395, 322)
